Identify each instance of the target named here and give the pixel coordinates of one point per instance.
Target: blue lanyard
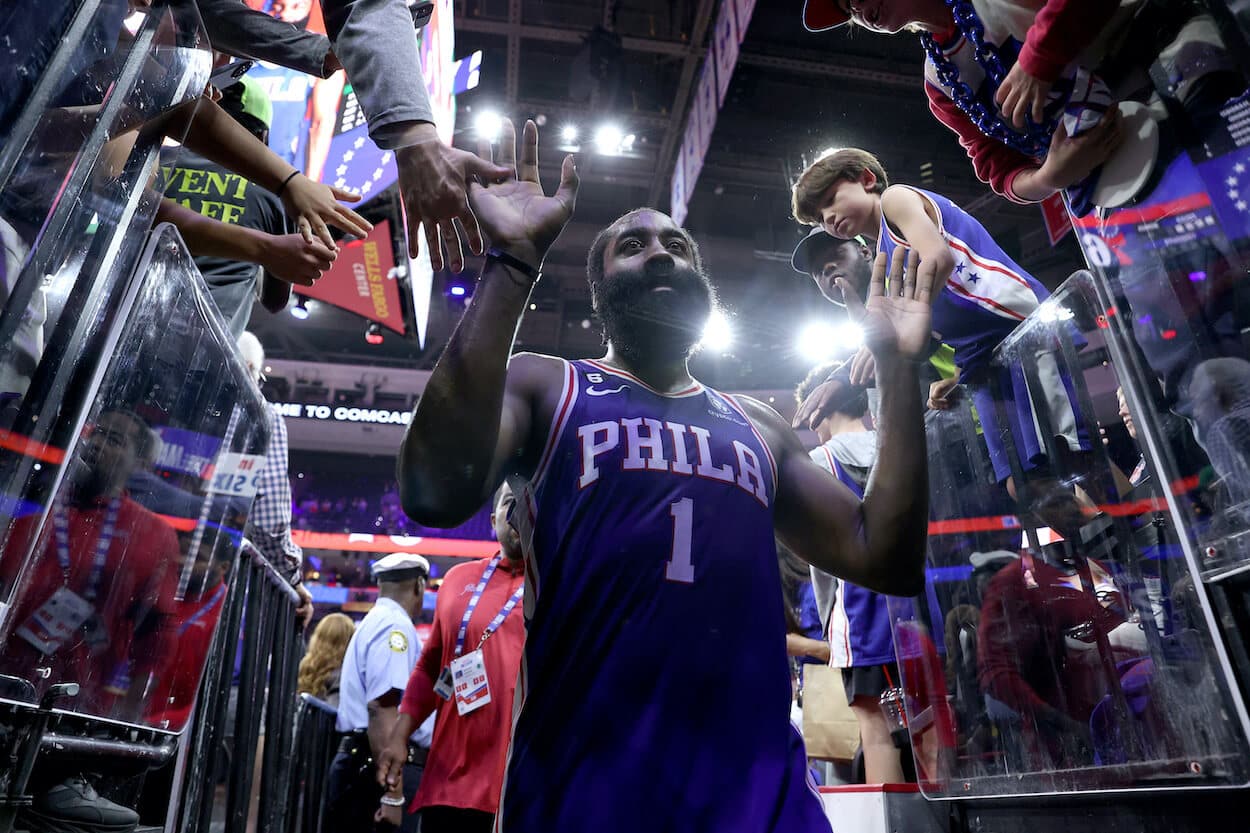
(199, 614)
(473, 600)
(60, 526)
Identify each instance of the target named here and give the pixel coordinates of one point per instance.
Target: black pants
(353, 792)
(455, 820)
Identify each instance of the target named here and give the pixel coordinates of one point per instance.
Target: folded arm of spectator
(212, 133)
(287, 257)
(238, 30)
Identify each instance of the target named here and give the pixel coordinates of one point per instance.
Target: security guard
(379, 660)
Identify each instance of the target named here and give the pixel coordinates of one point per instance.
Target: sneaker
(74, 806)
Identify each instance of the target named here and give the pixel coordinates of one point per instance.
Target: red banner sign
(361, 280)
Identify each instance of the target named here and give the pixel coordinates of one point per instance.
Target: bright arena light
(815, 342)
(608, 139)
(569, 133)
(717, 334)
(820, 342)
(488, 124)
(847, 337)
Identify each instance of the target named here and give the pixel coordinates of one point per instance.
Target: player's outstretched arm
(880, 542)
(475, 419)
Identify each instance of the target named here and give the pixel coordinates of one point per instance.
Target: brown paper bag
(830, 730)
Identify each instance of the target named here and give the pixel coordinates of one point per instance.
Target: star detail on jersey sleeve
(973, 277)
(959, 267)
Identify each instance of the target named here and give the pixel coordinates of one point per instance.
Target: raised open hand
(516, 215)
(897, 321)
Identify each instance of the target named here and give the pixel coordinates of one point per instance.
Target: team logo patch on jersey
(606, 391)
(398, 642)
(720, 409)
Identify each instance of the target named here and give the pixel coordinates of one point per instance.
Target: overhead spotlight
(488, 125)
(373, 333)
(628, 142)
(827, 152)
(717, 334)
(457, 290)
(608, 139)
(569, 133)
(816, 342)
(300, 310)
(847, 337)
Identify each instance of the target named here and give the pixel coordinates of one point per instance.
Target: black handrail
(313, 753)
(261, 604)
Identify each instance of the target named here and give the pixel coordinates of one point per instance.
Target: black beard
(644, 324)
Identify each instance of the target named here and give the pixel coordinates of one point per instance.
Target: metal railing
(262, 604)
(311, 757)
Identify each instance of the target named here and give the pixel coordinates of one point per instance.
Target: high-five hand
(898, 318)
(516, 215)
(433, 180)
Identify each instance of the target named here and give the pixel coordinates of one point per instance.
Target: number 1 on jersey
(679, 567)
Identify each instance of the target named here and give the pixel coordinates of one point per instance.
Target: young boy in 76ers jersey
(654, 693)
(984, 293)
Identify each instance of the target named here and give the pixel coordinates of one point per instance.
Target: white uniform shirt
(381, 655)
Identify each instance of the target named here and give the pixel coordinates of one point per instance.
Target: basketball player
(654, 693)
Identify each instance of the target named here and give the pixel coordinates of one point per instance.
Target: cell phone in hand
(230, 73)
(421, 13)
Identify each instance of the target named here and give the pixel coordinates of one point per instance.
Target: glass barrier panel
(1060, 645)
(1171, 259)
(118, 581)
(74, 200)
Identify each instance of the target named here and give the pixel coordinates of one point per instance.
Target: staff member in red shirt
(477, 632)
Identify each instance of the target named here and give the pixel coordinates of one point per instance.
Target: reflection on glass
(1061, 643)
(73, 161)
(87, 607)
(120, 585)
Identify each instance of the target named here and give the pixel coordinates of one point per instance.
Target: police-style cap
(401, 566)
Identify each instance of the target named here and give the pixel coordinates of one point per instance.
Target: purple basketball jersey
(654, 691)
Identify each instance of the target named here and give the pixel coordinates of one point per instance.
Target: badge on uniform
(398, 642)
(443, 686)
(56, 620)
(469, 675)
